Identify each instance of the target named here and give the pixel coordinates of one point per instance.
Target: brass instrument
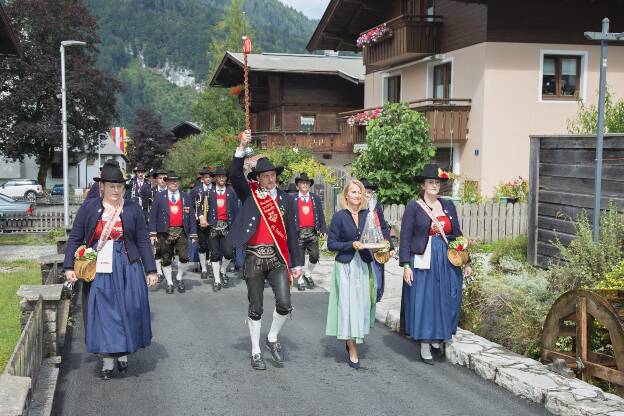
(198, 199)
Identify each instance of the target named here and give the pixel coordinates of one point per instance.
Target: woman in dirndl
(432, 287)
(117, 318)
(351, 308)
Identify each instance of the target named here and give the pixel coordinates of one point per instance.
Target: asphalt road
(198, 364)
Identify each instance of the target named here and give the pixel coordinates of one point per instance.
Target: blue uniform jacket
(231, 203)
(135, 235)
(159, 218)
(143, 193)
(319, 215)
(415, 227)
(248, 216)
(342, 234)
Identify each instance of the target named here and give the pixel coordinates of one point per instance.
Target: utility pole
(604, 37)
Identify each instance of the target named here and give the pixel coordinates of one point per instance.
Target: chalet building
(9, 46)
(487, 74)
(185, 129)
(295, 99)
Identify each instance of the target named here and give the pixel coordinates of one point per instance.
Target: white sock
(108, 363)
(301, 282)
(276, 325)
(123, 358)
(167, 272)
(435, 344)
(254, 334)
(215, 271)
(311, 267)
(202, 261)
(159, 269)
(224, 265)
(425, 351)
(181, 269)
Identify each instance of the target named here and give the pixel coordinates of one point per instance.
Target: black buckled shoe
(257, 362)
(169, 289)
(122, 367)
(309, 281)
(276, 350)
(225, 279)
(301, 287)
(181, 287)
(204, 275)
(216, 286)
(106, 374)
(438, 353)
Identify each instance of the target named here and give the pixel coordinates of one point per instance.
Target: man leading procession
(201, 197)
(266, 225)
(223, 205)
(172, 223)
(310, 219)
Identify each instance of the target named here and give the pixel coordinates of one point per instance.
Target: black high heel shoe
(106, 374)
(352, 364)
(122, 367)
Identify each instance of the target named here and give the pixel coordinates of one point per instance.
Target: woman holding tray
(351, 309)
(432, 288)
(117, 318)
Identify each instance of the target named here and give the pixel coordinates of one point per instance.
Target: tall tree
(30, 102)
(150, 140)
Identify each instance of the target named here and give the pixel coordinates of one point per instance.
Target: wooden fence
(38, 223)
(562, 172)
(28, 354)
(485, 222)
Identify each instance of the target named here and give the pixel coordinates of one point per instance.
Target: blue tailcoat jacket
(231, 204)
(415, 227)
(342, 234)
(319, 215)
(159, 217)
(135, 235)
(248, 216)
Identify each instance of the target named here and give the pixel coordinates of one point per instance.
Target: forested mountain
(144, 39)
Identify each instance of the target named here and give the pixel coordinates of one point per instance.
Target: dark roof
(185, 129)
(230, 71)
(8, 41)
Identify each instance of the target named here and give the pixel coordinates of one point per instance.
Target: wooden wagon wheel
(583, 307)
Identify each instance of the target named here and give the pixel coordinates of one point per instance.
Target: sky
(311, 8)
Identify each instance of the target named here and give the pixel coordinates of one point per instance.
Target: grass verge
(13, 274)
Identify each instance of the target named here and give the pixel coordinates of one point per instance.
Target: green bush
(585, 263)
(614, 279)
(515, 248)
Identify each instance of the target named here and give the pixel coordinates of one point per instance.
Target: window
(393, 89)
(307, 123)
(442, 81)
(561, 77)
(57, 170)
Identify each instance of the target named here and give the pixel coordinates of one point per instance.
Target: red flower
(460, 248)
(81, 252)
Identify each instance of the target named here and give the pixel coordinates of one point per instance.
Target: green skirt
(351, 308)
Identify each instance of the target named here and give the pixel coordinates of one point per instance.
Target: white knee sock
(123, 358)
(435, 344)
(108, 363)
(224, 265)
(167, 272)
(276, 325)
(311, 267)
(215, 271)
(202, 261)
(181, 269)
(254, 333)
(425, 351)
(159, 269)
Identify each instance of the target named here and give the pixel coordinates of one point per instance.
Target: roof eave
(320, 28)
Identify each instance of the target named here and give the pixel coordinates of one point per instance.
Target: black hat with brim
(304, 177)
(157, 172)
(205, 171)
(430, 171)
(172, 176)
(367, 184)
(264, 165)
(110, 173)
(139, 168)
(219, 170)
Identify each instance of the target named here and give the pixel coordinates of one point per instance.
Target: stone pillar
(61, 243)
(51, 295)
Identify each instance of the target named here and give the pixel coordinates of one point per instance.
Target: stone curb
(524, 376)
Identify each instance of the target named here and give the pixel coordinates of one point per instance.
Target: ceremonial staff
(247, 51)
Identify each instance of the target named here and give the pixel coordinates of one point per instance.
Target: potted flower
(516, 190)
(362, 118)
(373, 36)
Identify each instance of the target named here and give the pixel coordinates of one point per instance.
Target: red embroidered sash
(270, 212)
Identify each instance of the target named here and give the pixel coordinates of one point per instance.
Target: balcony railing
(448, 120)
(316, 142)
(412, 37)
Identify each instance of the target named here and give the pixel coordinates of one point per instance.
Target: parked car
(57, 190)
(22, 188)
(10, 206)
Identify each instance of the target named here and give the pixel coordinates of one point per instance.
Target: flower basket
(373, 36)
(381, 256)
(85, 269)
(458, 258)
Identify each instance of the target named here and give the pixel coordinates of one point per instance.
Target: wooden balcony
(448, 120)
(316, 142)
(412, 37)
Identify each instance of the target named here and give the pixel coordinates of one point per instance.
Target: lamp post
(604, 37)
(64, 122)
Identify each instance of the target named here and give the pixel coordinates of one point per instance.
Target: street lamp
(64, 122)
